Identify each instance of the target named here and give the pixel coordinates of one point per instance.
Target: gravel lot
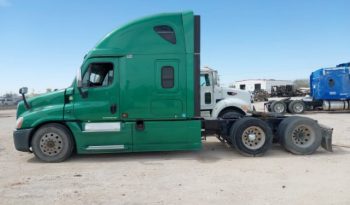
(215, 175)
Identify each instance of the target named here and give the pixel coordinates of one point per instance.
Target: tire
(240, 134)
(278, 107)
(269, 105)
(52, 143)
(231, 114)
(296, 107)
(299, 135)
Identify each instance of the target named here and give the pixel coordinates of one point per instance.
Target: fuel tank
(335, 105)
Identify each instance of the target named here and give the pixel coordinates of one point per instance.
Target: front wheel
(52, 143)
(251, 136)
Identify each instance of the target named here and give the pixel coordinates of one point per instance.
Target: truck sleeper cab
(138, 90)
(330, 91)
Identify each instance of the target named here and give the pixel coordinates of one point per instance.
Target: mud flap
(326, 137)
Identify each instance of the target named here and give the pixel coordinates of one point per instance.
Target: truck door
(207, 95)
(96, 107)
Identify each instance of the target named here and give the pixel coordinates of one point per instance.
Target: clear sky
(42, 43)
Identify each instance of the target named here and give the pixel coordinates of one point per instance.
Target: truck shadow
(326, 112)
(212, 152)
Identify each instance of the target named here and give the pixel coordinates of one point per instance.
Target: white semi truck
(221, 102)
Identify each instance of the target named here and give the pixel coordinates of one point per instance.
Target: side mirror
(216, 78)
(23, 90)
(83, 93)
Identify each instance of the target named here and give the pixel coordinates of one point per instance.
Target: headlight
(19, 122)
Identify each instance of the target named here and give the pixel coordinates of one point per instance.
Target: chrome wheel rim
(279, 108)
(303, 136)
(51, 144)
(298, 107)
(253, 137)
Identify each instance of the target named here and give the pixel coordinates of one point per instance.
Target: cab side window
(98, 75)
(166, 32)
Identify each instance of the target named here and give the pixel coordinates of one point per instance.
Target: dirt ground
(215, 175)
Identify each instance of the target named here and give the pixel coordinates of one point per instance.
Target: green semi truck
(138, 90)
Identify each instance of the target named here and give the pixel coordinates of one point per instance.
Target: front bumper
(21, 139)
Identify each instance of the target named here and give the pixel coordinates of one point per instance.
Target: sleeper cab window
(167, 75)
(98, 75)
(166, 32)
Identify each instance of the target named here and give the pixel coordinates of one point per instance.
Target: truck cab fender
(231, 103)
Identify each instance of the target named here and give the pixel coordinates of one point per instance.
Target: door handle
(113, 108)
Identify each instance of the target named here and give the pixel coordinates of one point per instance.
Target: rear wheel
(299, 135)
(278, 107)
(251, 136)
(296, 107)
(52, 143)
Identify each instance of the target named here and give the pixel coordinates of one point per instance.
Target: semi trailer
(138, 90)
(329, 91)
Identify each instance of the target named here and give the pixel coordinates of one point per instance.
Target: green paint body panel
(143, 97)
(168, 135)
(156, 136)
(45, 108)
(85, 139)
(137, 53)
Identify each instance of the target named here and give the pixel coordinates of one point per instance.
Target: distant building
(9, 100)
(260, 84)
